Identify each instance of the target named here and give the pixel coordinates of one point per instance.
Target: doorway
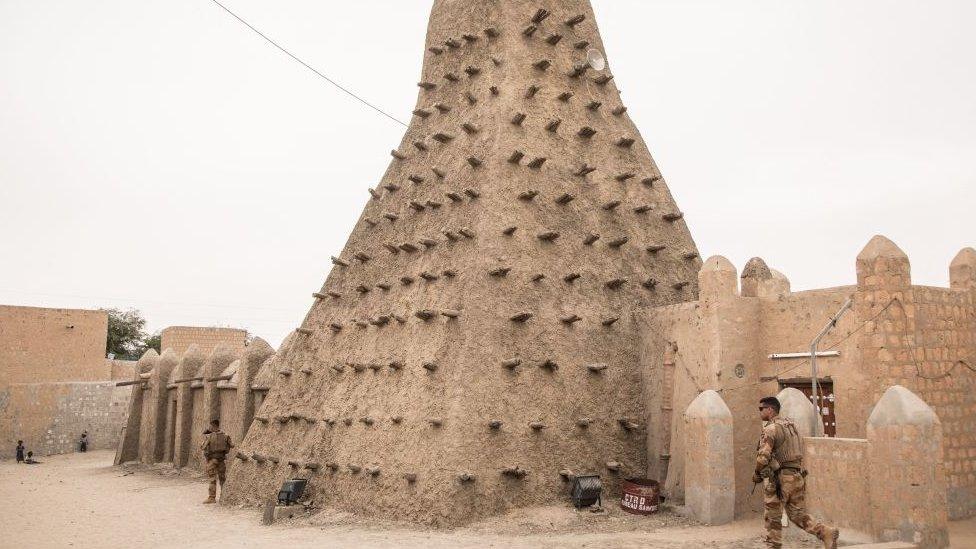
(826, 399)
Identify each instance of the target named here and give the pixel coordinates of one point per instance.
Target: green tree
(154, 341)
(125, 333)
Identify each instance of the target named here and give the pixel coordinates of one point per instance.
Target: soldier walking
(779, 467)
(215, 446)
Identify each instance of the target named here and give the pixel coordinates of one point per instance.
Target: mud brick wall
(122, 370)
(919, 337)
(837, 486)
(174, 398)
(478, 334)
(39, 345)
(924, 338)
(179, 338)
(50, 417)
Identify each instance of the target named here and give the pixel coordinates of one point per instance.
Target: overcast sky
(159, 155)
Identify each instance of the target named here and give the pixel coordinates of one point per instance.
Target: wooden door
(825, 404)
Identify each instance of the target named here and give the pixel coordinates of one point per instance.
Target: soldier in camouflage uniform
(215, 446)
(779, 467)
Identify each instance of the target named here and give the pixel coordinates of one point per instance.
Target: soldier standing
(779, 466)
(215, 446)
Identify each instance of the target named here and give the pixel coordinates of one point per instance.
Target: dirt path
(80, 500)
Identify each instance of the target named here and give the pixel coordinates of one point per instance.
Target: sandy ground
(80, 500)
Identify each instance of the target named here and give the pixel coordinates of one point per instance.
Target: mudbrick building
(174, 397)
(479, 332)
(521, 301)
(55, 382)
(742, 335)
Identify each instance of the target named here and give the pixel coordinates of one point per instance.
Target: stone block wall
(50, 417)
(39, 345)
(920, 337)
(924, 339)
(907, 481)
(121, 369)
(179, 338)
(890, 486)
(837, 486)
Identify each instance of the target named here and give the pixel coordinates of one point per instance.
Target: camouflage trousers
(794, 498)
(216, 470)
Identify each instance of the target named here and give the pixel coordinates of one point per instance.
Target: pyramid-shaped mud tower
(477, 341)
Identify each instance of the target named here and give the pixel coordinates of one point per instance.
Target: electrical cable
(309, 67)
(832, 347)
(911, 347)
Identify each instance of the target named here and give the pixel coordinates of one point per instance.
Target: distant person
(83, 443)
(215, 446)
(20, 451)
(30, 459)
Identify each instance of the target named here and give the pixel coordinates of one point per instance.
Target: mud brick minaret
(476, 342)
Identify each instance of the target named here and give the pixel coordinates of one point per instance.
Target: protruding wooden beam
(585, 170)
(521, 317)
(576, 20)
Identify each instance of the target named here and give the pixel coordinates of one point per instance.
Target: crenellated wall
(923, 338)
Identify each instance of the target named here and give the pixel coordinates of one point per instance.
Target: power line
(914, 352)
(309, 67)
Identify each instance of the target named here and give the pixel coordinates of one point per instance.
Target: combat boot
(830, 537)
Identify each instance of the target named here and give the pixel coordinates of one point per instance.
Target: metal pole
(813, 358)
